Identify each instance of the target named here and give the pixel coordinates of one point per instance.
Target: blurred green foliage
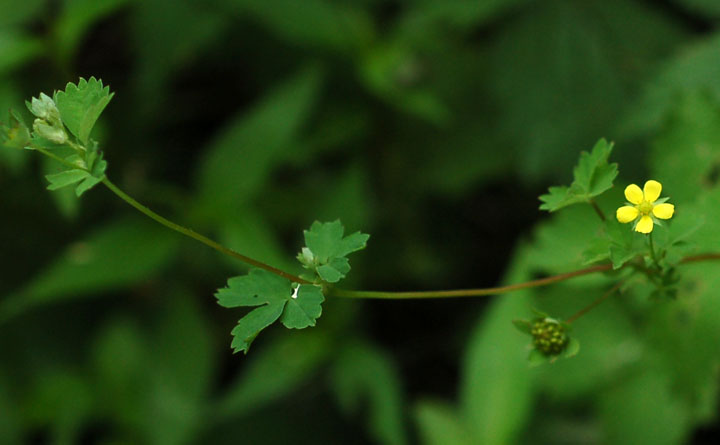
(431, 124)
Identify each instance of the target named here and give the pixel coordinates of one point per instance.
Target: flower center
(645, 207)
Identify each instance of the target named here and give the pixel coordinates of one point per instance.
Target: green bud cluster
(549, 336)
(48, 124)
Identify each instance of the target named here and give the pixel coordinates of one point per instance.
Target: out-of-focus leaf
(15, 12)
(324, 24)
(709, 8)
(63, 402)
(466, 13)
(9, 98)
(643, 409)
(183, 346)
(694, 68)
(440, 424)
(155, 37)
(118, 255)
(17, 48)
(686, 154)
(497, 390)
(9, 422)
(75, 19)
(363, 374)
(382, 70)
(272, 372)
(561, 72)
(242, 157)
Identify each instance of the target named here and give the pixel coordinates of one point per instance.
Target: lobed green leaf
(80, 106)
(592, 176)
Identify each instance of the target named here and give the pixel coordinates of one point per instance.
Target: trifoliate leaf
(81, 105)
(65, 178)
(326, 250)
(304, 308)
(296, 308)
(592, 176)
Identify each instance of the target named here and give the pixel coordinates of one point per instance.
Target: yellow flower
(644, 206)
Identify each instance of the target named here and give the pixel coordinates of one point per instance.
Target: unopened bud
(52, 133)
(549, 336)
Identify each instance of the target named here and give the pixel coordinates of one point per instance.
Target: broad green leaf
(364, 374)
(65, 178)
(96, 264)
(75, 19)
(695, 67)
(642, 408)
(272, 372)
(323, 24)
(496, 389)
(466, 14)
(16, 48)
(440, 424)
(709, 8)
(255, 321)
(302, 310)
(592, 176)
(81, 104)
(686, 151)
(242, 156)
(568, 80)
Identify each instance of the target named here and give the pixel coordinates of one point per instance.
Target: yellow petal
(664, 211)
(645, 225)
(625, 214)
(652, 190)
(633, 194)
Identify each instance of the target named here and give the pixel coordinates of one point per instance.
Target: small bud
(45, 109)
(549, 336)
(50, 132)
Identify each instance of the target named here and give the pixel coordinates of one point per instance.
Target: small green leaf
(81, 105)
(303, 308)
(65, 178)
(326, 250)
(592, 176)
(251, 324)
(335, 271)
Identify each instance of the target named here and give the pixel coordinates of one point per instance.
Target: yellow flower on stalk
(644, 206)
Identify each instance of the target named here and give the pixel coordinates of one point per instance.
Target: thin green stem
(595, 303)
(196, 236)
(59, 159)
(652, 250)
(345, 293)
(597, 209)
(336, 292)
